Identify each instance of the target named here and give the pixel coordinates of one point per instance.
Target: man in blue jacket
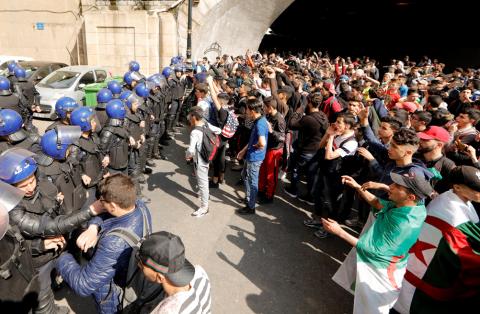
(104, 275)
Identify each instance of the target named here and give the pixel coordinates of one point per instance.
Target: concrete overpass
(111, 33)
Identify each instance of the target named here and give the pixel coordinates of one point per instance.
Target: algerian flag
(381, 256)
(443, 271)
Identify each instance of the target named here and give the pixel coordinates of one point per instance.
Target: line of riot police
(49, 183)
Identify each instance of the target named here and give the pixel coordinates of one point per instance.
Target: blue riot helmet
(82, 117)
(10, 196)
(104, 95)
(11, 66)
(124, 94)
(11, 125)
(133, 99)
(127, 78)
(16, 165)
(56, 142)
(20, 73)
(167, 71)
(116, 109)
(115, 87)
(142, 90)
(179, 68)
(134, 66)
(175, 60)
(65, 105)
(4, 86)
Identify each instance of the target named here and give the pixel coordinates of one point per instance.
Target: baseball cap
(466, 175)
(330, 87)
(409, 106)
(435, 133)
(164, 252)
(415, 183)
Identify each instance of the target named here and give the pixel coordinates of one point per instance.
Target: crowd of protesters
(391, 150)
(392, 154)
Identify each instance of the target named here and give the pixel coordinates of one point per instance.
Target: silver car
(68, 81)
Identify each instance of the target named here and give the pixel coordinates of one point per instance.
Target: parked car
(37, 70)
(4, 60)
(68, 81)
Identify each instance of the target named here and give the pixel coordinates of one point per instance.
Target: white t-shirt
(349, 146)
(197, 300)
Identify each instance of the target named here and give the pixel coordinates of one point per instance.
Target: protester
(105, 273)
(194, 152)
(382, 251)
(187, 287)
(442, 274)
(254, 154)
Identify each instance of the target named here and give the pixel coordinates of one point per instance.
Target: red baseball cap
(409, 106)
(330, 87)
(435, 133)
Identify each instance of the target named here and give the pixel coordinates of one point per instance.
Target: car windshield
(60, 79)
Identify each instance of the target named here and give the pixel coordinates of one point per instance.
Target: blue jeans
(252, 171)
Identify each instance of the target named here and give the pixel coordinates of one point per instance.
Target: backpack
(231, 125)
(139, 295)
(210, 143)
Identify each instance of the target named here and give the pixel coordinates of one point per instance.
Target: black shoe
(212, 185)
(148, 170)
(265, 200)
(150, 163)
(246, 211)
(290, 192)
(306, 199)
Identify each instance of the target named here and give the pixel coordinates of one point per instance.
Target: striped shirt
(194, 301)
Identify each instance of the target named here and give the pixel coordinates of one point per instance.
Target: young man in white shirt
(197, 121)
(187, 287)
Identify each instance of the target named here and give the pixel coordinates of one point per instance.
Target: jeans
(303, 163)
(251, 181)
(201, 173)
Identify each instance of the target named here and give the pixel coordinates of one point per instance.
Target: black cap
(415, 183)
(164, 252)
(466, 175)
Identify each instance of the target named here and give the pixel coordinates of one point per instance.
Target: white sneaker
(202, 211)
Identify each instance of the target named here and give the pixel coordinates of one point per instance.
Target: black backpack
(210, 143)
(139, 295)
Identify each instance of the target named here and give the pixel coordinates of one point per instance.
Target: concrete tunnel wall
(236, 25)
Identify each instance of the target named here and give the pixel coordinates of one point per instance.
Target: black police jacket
(19, 285)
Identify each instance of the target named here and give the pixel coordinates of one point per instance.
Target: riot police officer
(8, 100)
(28, 95)
(114, 139)
(86, 151)
(11, 72)
(12, 134)
(131, 79)
(19, 286)
(134, 66)
(133, 124)
(63, 108)
(159, 106)
(177, 84)
(115, 87)
(54, 166)
(38, 218)
(145, 113)
(103, 97)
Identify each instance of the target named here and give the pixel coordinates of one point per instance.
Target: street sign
(40, 26)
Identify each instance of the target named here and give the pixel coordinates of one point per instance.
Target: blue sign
(40, 26)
